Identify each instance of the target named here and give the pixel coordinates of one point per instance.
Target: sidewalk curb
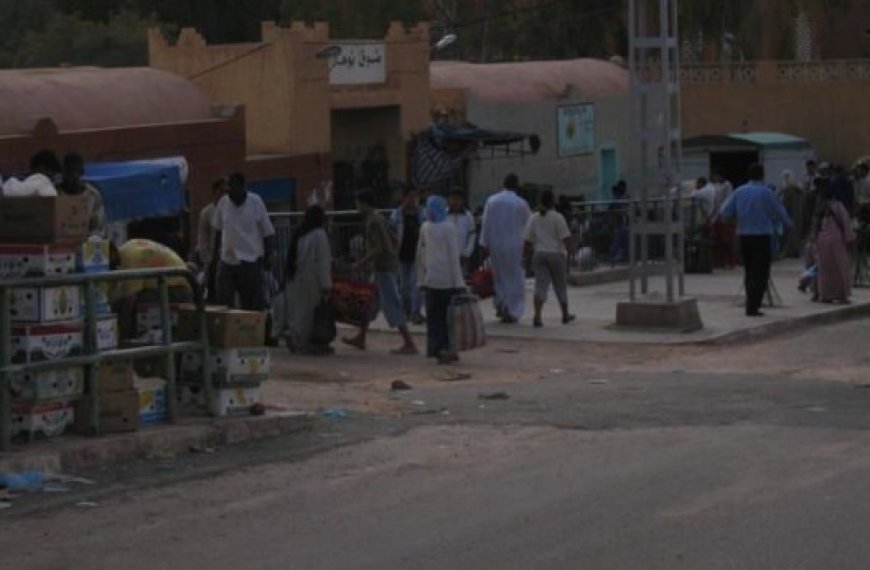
(841, 314)
(159, 443)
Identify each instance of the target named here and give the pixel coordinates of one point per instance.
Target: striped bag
(465, 323)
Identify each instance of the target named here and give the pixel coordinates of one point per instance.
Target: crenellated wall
(824, 102)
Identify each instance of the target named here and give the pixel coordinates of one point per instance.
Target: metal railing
(92, 358)
(601, 225)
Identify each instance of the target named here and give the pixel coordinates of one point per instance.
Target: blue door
(608, 171)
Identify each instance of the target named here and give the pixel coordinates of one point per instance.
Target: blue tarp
(138, 190)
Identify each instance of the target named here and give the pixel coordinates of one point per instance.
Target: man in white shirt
(705, 196)
(463, 222)
(44, 166)
(504, 222)
(247, 240)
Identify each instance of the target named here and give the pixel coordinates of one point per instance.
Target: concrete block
(654, 313)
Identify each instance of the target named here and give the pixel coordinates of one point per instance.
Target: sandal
(352, 342)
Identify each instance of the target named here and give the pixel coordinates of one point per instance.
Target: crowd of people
(419, 257)
(819, 218)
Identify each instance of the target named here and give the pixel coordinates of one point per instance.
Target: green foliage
(69, 39)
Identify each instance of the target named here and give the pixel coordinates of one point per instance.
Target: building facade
(326, 116)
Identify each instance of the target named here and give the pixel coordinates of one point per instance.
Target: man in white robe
(504, 221)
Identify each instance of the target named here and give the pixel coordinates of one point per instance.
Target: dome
(533, 80)
(89, 98)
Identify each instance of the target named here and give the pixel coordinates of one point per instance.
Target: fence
(91, 359)
(601, 226)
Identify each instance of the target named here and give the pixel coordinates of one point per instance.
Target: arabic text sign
(358, 64)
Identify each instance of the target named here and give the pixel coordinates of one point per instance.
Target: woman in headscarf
(439, 275)
(833, 235)
(309, 280)
(792, 197)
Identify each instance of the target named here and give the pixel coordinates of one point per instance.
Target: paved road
(631, 470)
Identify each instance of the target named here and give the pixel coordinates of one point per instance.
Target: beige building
(323, 114)
(577, 110)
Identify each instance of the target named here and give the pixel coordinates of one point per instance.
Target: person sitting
(72, 184)
(44, 166)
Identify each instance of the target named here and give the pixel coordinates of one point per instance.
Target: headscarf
(436, 209)
(315, 218)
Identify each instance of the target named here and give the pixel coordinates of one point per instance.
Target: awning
(138, 190)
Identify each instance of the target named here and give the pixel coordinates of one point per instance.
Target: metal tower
(654, 57)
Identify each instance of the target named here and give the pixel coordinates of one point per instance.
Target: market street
(738, 457)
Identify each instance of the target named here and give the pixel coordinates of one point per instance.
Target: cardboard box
(57, 384)
(230, 367)
(116, 376)
(45, 304)
(188, 320)
(41, 420)
(39, 343)
(62, 220)
(93, 256)
(227, 328)
(153, 401)
(119, 412)
(20, 261)
(234, 401)
(148, 320)
(102, 300)
(107, 333)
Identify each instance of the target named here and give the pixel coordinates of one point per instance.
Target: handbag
(354, 302)
(323, 330)
(465, 323)
(482, 282)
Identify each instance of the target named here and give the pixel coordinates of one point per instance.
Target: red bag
(354, 302)
(483, 283)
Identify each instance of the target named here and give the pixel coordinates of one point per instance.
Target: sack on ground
(465, 324)
(353, 302)
(323, 330)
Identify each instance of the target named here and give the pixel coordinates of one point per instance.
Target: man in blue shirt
(758, 212)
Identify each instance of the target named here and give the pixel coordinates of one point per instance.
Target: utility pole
(654, 214)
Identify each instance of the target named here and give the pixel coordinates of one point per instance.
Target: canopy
(138, 190)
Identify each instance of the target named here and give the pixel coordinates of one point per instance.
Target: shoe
(508, 320)
(538, 324)
(567, 319)
(418, 320)
(755, 314)
(405, 351)
(357, 344)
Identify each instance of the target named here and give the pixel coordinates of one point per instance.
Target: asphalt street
(712, 460)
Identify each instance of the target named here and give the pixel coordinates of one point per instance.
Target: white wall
(572, 175)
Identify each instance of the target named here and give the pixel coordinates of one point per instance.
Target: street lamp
(329, 52)
(445, 42)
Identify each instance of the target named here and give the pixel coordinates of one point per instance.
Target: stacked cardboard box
(118, 401)
(45, 237)
(238, 360)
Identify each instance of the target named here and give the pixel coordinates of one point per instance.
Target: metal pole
(166, 321)
(5, 361)
(92, 370)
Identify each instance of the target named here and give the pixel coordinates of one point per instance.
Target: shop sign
(576, 124)
(358, 63)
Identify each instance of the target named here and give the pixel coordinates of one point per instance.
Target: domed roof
(87, 98)
(532, 80)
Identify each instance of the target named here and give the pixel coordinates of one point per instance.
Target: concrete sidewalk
(719, 298)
